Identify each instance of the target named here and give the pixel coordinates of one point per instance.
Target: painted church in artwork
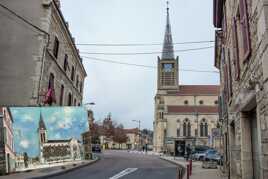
(57, 150)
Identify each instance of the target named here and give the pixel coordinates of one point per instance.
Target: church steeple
(168, 49)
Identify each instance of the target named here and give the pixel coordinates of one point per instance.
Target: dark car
(96, 148)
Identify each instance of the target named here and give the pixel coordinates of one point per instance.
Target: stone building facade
(40, 63)
(184, 114)
(7, 150)
(241, 55)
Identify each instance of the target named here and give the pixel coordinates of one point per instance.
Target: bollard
(188, 171)
(191, 166)
(179, 173)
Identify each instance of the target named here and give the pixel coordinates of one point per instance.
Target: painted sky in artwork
(61, 123)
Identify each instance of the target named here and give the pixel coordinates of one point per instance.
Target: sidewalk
(49, 172)
(197, 171)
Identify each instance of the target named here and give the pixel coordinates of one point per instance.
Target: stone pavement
(197, 171)
(48, 172)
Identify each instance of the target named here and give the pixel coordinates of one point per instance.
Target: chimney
(57, 3)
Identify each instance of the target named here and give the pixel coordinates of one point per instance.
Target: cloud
(27, 118)
(57, 136)
(24, 144)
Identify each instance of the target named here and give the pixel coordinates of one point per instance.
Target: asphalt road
(124, 165)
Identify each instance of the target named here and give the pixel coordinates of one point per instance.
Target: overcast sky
(127, 91)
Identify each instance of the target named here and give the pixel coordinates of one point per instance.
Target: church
(184, 114)
(53, 151)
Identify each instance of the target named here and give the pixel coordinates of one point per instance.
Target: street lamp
(138, 121)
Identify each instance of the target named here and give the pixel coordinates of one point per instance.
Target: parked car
(96, 148)
(199, 152)
(213, 155)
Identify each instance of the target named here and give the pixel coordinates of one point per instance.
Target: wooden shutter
(235, 49)
(245, 29)
(230, 74)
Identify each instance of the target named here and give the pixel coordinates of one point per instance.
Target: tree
(26, 159)
(120, 135)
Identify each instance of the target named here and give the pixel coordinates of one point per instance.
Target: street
(134, 166)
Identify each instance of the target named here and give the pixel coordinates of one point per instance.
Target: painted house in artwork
(7, 153)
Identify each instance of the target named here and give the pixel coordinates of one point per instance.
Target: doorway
(179, 148)
(8, 163)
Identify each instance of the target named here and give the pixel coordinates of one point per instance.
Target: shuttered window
(245, 29)
(235, 49)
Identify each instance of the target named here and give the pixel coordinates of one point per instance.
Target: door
(8, 163)
(255, 145)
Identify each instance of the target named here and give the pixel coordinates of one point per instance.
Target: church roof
(42, 123)
(196, 90)
(59, 141)
(168, 48)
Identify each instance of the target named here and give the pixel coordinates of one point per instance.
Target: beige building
(184, 114)
(241, 55)
(40, 64)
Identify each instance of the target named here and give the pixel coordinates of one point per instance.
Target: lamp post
(139, 122)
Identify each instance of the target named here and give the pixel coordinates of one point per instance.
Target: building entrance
(180, 148)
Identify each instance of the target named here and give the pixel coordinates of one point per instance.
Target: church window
(201, 102)
(204, 128)
(216, 102)
(186, 102)
(186, 128)
(56, 47)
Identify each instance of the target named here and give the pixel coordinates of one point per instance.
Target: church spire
(168, 49)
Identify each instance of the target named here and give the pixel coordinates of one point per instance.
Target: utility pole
(139, 132)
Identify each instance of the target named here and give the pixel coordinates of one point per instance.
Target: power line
(23, 19)
(147, 53)
(141, 44)
(143, 66)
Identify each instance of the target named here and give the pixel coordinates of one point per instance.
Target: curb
(66, 171)
(172, 162)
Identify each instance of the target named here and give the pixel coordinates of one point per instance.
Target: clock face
(168, 67)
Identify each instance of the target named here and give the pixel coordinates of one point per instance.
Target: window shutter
(245, 29)
(235, 50)
(230, 74)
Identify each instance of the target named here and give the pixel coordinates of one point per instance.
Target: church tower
(42, 130)
(168, 64)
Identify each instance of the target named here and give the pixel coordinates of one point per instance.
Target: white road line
(124, 172)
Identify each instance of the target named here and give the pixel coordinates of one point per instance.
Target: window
(51, 81)
(56, 47)
(81, 86)
(74, 102)
(246, 43)
(5, 135)
(216, 102)
(186, 102)
(77, 81)
(186, 128)
(72, 74)
(204, 128)
(178, 121)
(69, 99)
(79, 104)
(65, 65)
(61, 94)
(201, 102)
(178, 132)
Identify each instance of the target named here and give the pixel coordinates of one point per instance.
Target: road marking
(124, 172)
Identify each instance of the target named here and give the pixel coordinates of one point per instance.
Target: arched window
(69, 99)
(72, 74)
(65, 65)
(61, 94)
(203, 128)
(77, 81)
(216, 101)
(186, 128)
(81, 86)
